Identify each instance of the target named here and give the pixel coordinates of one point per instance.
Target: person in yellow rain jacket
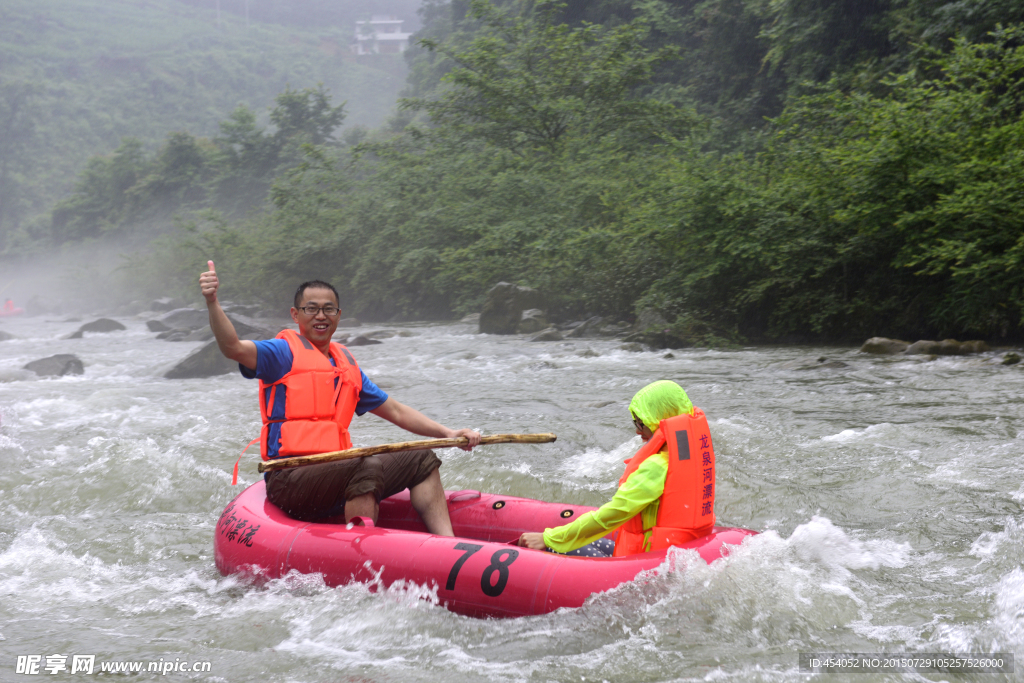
(666, 495)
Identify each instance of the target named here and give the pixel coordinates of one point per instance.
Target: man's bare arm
(416, 422)
(240, 350)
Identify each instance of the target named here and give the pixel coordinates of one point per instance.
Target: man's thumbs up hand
(208, 283)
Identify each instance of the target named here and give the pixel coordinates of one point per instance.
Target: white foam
(822, 542)
(849, 435)
(595, 464)
(1009, 609)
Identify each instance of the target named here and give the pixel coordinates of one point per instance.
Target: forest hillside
(737, 170)
(78, 78)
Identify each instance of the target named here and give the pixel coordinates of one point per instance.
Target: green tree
(250, 157)
(866, 214)
(19, 112)
(526, 81)
(101, 200)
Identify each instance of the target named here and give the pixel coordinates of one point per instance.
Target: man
(309, 390)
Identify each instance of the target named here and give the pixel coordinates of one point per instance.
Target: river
(887, 493)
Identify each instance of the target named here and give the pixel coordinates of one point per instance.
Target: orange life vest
(686, 509)
(313, 403)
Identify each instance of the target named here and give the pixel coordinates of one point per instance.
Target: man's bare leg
(362, 506)
(428, 499)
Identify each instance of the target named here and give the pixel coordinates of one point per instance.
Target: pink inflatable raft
(477, 573)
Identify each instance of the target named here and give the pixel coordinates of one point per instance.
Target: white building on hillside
(380, 35)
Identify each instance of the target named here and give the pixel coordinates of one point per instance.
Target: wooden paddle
(299, 461)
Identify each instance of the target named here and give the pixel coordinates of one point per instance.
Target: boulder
(167, 303)
(248, 328)
(946, 347)
(633, 347)
(532, 320)
(4, 336)
(1010, 358)
(207, 361)
(884, 346)
(157, 326)
(362, 341)
(185, 318)
(101, 325)
(174, 335)
(202, 334)
(587, 353)
(587, 328)
(504, 307)
(381, 334)
(548, 335)
(349, 322)
(613, 329)
(973, 346)
(928, 347)
(56, 366)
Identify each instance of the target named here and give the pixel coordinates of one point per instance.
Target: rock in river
(587, 328)
(100, 325)
(57, 366)
(946, 347)
(548, 335)
(362, 341)
(185, 318)
(884, 346)
(532, 320)
(207, 361)
(504, 307)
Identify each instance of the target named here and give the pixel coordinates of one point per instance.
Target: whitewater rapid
(888, 493)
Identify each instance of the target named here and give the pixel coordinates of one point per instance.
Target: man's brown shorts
(317, 491)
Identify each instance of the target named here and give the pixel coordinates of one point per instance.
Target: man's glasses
(329, 310)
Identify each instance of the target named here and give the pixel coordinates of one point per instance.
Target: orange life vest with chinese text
(686, 509)
(313, 403)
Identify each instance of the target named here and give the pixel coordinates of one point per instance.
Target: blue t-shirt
(274, 361)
